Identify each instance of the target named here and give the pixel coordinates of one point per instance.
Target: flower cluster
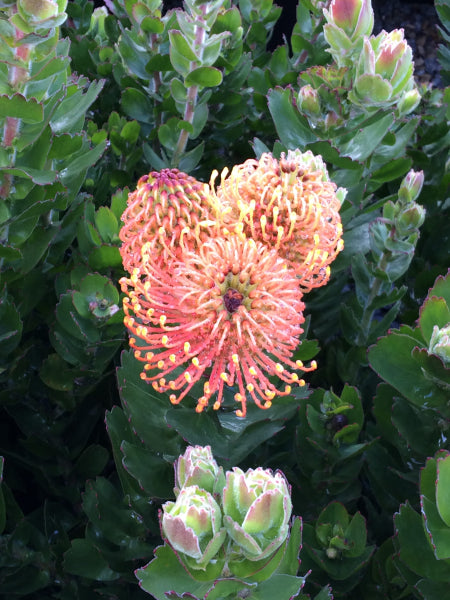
(217, 275)
(225, 518)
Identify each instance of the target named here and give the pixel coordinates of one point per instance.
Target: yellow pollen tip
(224, 377)
(162, 320)
(172, 358)
(161, 231)
(250, 387)
(187, 347)
(267, 404)
(252, 371)
(195, 361)
(316, 239)
(164, 340)
(187, 376)
(302, 383)
(238, 397)
(294, 377)
(235, 359)
(160, 364)
(313, 364)
(299, 364)
(173, 398)
(279, 368)
(147, 367)
(239, 413)
(288, 389)
(206, 388)
(137, 354)
(269, 394)
(216, 405)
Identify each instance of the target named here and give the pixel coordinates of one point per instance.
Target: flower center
(232, 300)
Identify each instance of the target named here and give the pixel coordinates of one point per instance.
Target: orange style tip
(267, 404)
(149, 355)
(137, 354)
(147, 367)
(155, 386)
(172, 385)
(238, 397)
(143, 376)
(132, 341)
(316, 239)
(240, 413)
(160, 364)
(199, 408)
(216, 405)
(287, 389)
(173, 399)
(302, 383)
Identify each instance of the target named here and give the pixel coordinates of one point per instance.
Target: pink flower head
(229, 312)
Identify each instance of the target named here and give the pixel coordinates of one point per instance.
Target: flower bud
(408, 102)
(193, 526)
(411, 186)
(348, 21)
(384, 73)
(197, 467)
(440, 343)
(410, 218)
(257, 508)
(39, 15)
(308, 101)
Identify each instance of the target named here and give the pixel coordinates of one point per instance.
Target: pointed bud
(408, 102)
(440, 343)
(308, 101)
(411, 186)
(354, 17)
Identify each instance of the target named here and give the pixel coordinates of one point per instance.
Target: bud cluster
(227, 520)
(369, 72)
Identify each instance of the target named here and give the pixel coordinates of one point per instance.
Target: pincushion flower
(289, 205)
(166, 206)
(229, 312)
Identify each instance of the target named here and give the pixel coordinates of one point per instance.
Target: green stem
(192, 95)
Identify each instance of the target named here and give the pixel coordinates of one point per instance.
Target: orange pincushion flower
(229, 312)
(289, 205)
(166, 206)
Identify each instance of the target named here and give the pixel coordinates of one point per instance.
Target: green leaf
(363, 143)
(165, 573)
(19, 107)
(107, 224)
(57, 374)
(92, 461)
(105, 257)
(2, 499)
(443, 488)
(137, 105)
(72, 109)
(155, 475)
(85, 560)
(391, 358)
(41, 177)
(415, 550)
(434, 311)
(204, 77)
(10, 325)
(292, 128)
(64, 145)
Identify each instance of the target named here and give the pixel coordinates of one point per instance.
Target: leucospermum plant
(230, 248)
(217, 276)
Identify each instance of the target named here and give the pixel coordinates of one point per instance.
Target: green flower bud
(408, 102)
(348, 21)
(410, 218)
(384, 73)
(197, 467)
(411, 186)
(257, 508)
(39, 15)
(440, 343)
(308, 101)
(193, 526)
